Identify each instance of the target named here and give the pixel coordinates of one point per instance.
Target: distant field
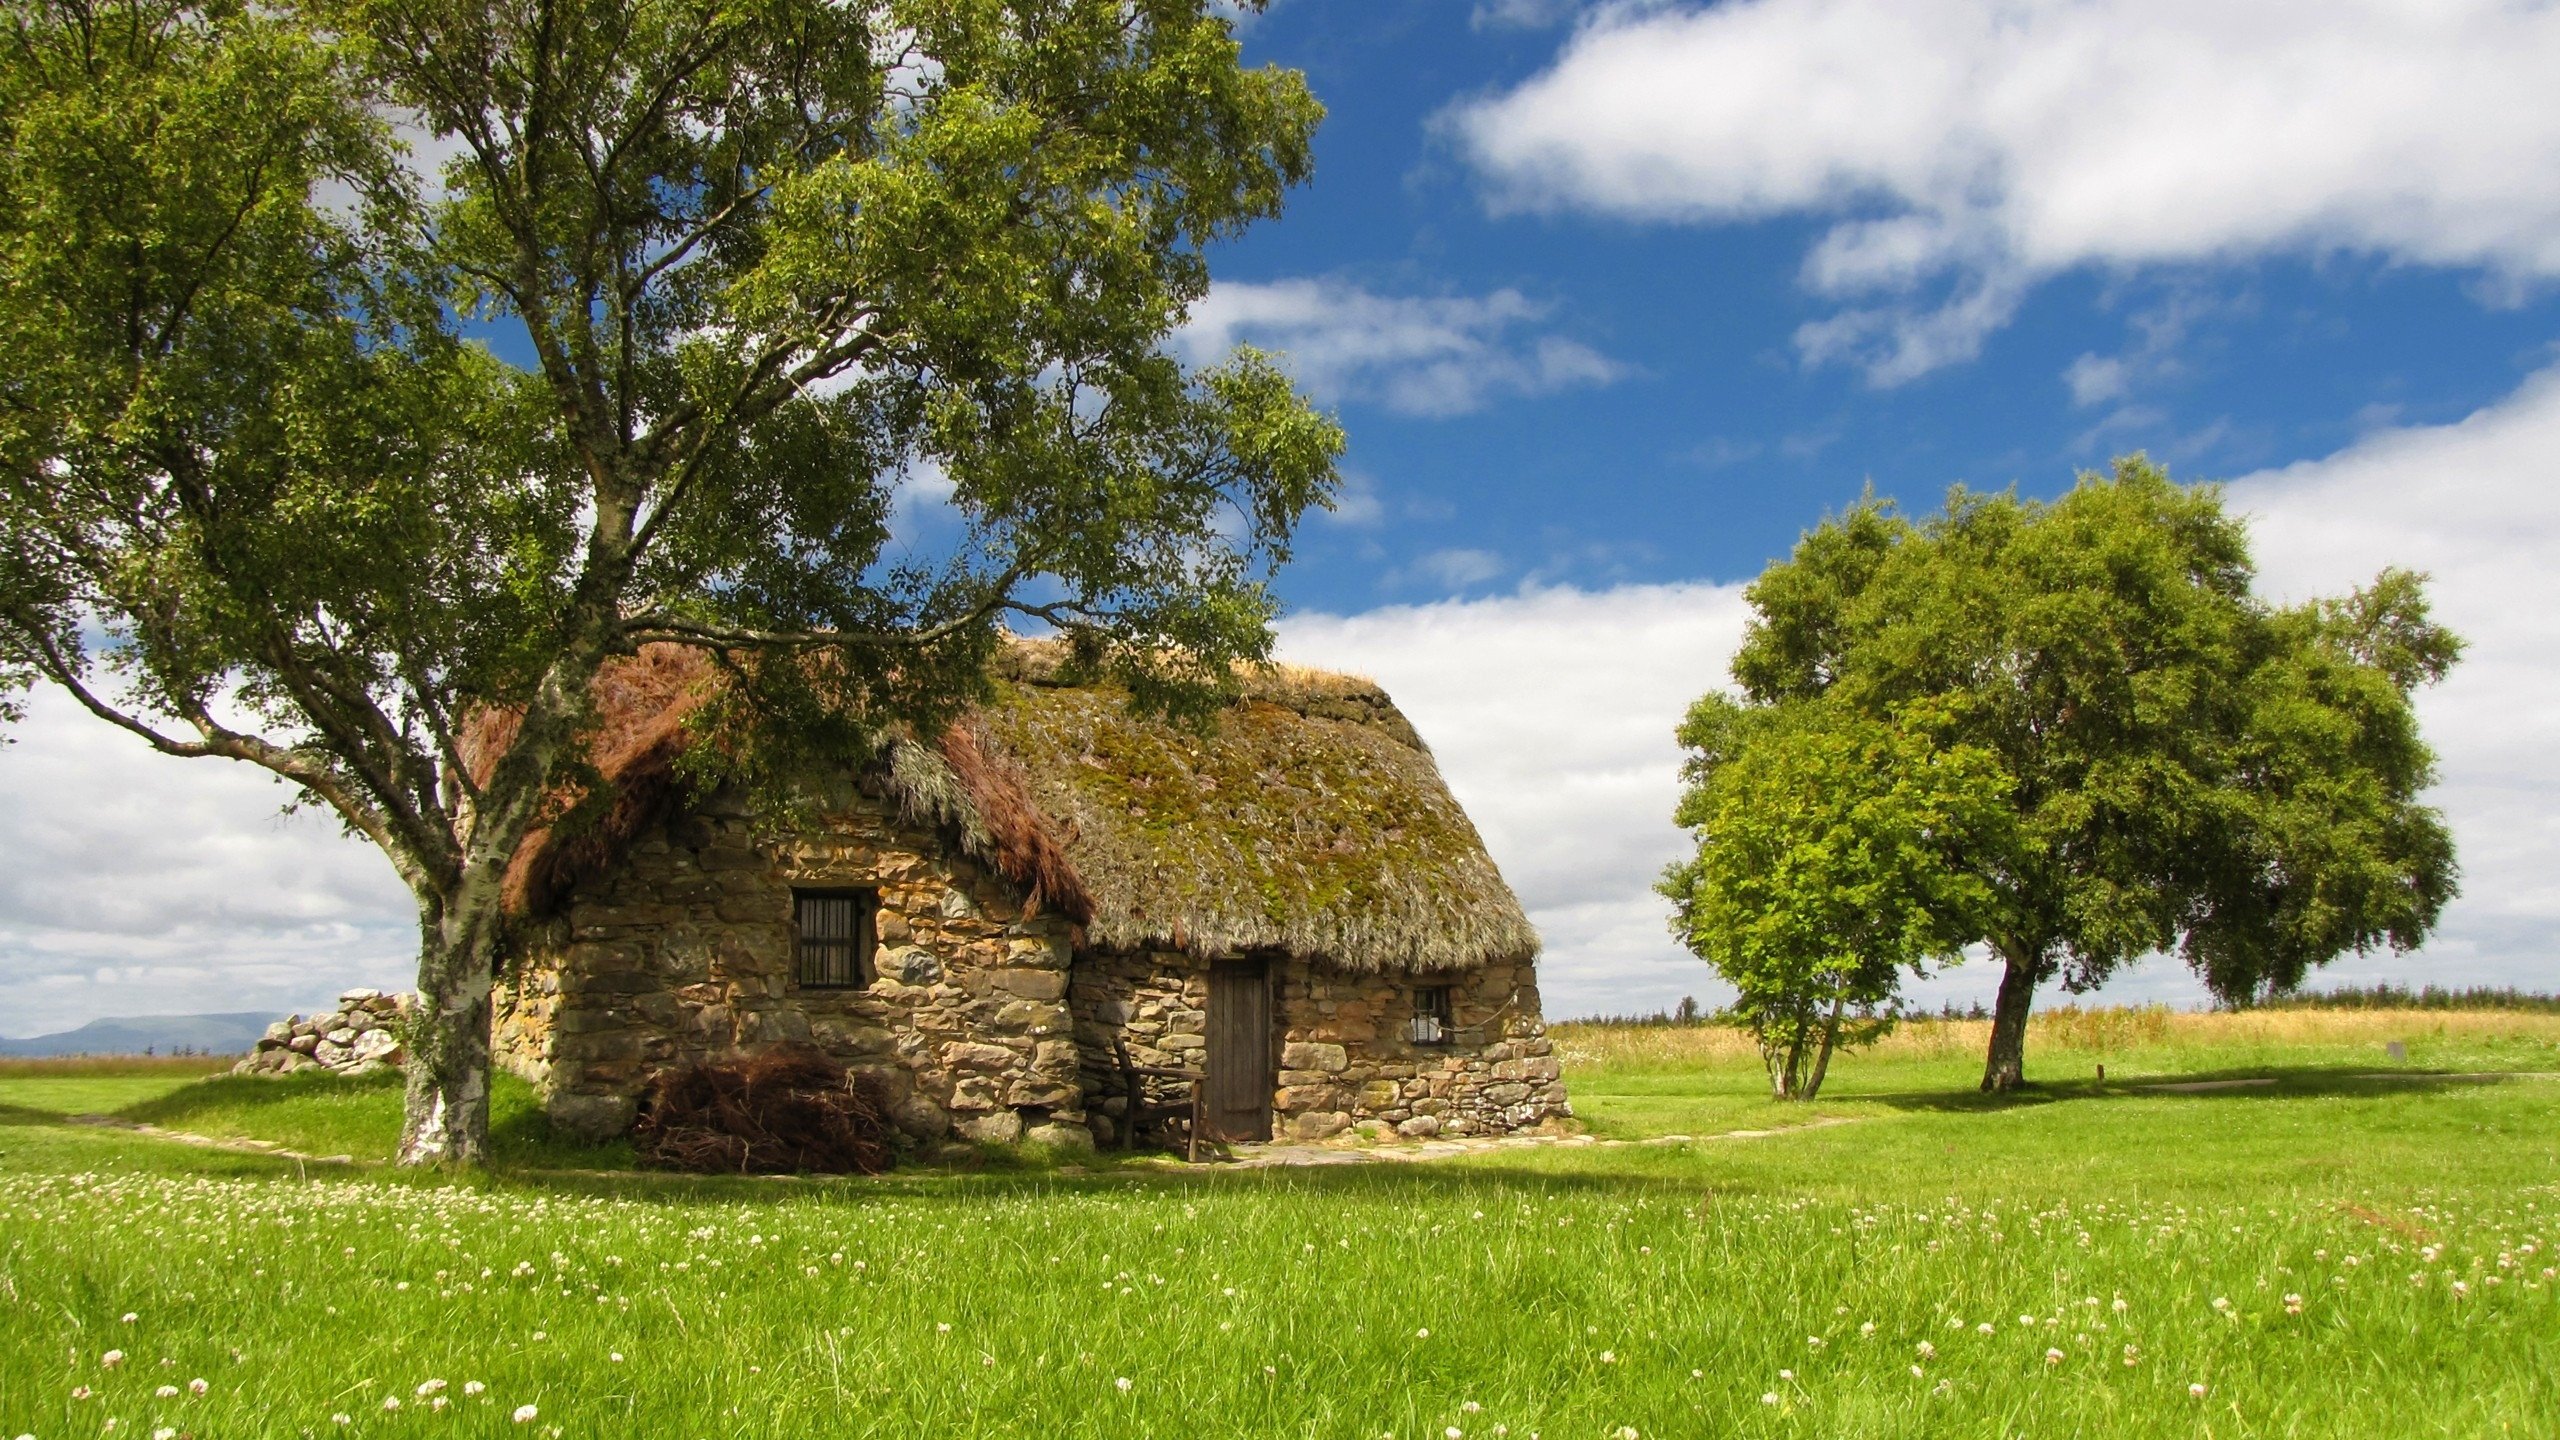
(2332, 1254)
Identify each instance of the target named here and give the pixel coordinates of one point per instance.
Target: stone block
(1057, 1136)
(1048, 1094)
(973, 1093)
(1185, 1040)
(1420, 1127)
(1318, 1125)
(967, 1055)
(1032, 1017)
(1034, 984)
(1000, 1127)
(1378, 1095)
(921, 1118)
(590, 1117)
(1313, 1055)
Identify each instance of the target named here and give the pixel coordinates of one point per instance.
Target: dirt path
(1259, 1157)
(207, 1142)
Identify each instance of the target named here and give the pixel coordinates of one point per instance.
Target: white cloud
(1551, 713)
(1460, 569)
(1966, 150)
(1421, 355)
(142, 884)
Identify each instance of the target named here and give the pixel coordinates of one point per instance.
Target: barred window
(1430, 1024)
(833, 935)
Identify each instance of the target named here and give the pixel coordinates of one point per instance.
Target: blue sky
(1614, 300)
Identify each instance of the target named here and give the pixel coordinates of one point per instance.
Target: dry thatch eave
(1310, 819)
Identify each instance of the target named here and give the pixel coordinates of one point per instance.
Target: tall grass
(2080, 1031)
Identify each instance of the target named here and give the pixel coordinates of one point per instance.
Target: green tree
(1834, 852)
(2189, 766)
(783, 275)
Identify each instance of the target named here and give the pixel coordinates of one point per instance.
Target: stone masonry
(1344, 1060)
(360, 1037)
(682, 954)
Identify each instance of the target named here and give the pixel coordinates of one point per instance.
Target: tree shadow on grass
(2254, 1082)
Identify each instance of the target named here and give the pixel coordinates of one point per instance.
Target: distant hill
(131, 1035)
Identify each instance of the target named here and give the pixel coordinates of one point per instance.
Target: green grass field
(2353, 1249)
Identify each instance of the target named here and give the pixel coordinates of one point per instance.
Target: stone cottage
(999, 924)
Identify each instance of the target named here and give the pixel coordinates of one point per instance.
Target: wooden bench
(1189, 1109)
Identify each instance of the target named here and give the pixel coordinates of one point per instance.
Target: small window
(1430, 1024)
(833, 935)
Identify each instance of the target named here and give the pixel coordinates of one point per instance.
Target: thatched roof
(1310, 819)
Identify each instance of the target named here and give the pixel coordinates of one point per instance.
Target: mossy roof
(1309, 819)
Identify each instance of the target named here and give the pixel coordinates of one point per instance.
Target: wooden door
(1241, 1073)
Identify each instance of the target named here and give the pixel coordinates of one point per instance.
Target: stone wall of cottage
(1344, 1057)
(683, 954)
(1346, 1061)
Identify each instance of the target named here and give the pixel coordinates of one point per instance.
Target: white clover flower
(1786, 1374)
(1983, 1329)
(2222, 1304)
(80, 1392)
(198, 1386)
(1470, 1408)
(2196, 1390)
(390, 1402)
(472, 1387)
(342, 1418)
(2120, 1306)
(438, 1403)
(1869, 1328)
(111, 1359)
(1768, 1397)
(1927, 1350)
(130, 1317)
(2052, 1356)
(430, 1387)
(1452, 1432)
(615, 1356)
(1915, 1372)
(525, 1414)
(1608, 1357)
(166, 1392)
(165, 1432)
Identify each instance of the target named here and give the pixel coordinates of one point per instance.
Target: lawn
(2351, 1250)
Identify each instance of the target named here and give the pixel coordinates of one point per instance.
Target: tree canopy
(382, 364)
(1835, 851)
(2189, 766)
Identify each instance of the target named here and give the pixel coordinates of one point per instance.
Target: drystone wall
(1344, 1061)
(683, 954)
(360, 1037)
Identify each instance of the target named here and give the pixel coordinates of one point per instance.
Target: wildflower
(390, 1402)
(1813, 1342)
(1983, 1329)
(1628, 1432)
(1422, 1334)
(472, 1387)
(942, 1328)
(1868, 1328)
(614, 1356)
(2196, 1390)
(2120, 1306)
(130, 1317)
(1121, 1384)
(429, 1388)
(111, 1359)
(2132, 1356)
(342, 1418)
(1608, 1357)
(80, 1392)
(165, 1432)
(525, 1413)
(2052, 1356)
(166, 1392)
(1915, 1372)
(2222, 1304)
(198, 1386)
(1769, 1397)
(1928, 1351)
(2461, 1288)
(1786, 1374)
(1470, 1408)
(2293, 1304)
(438, 1403)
